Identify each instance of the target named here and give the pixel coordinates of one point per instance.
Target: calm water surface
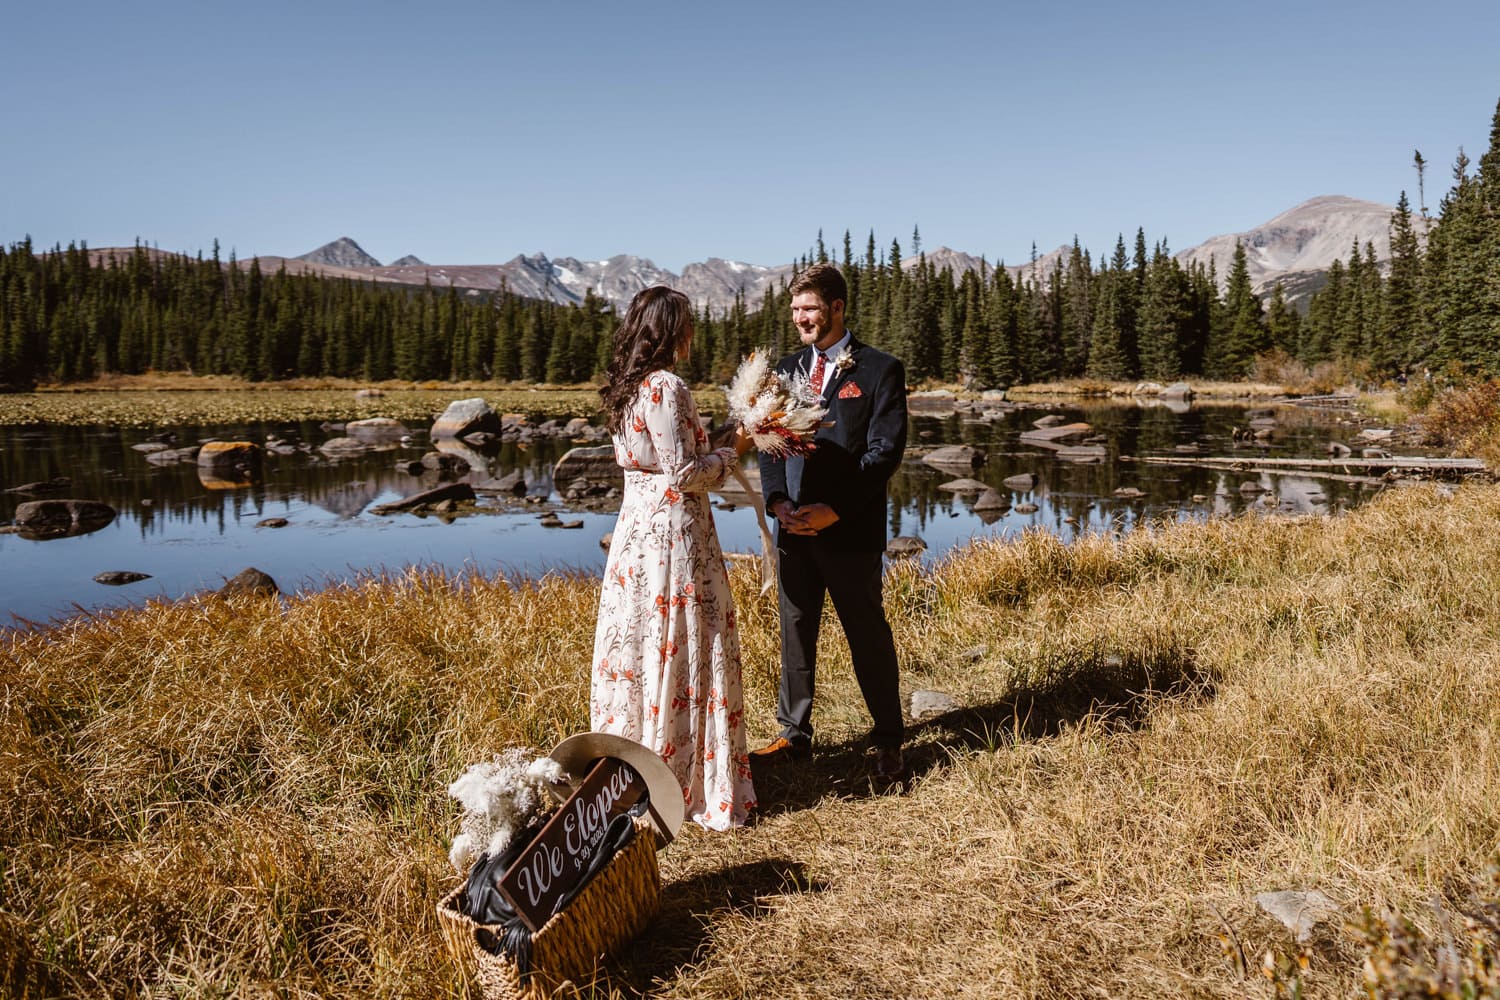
(190, 534)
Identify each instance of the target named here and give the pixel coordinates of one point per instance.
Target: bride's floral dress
(666, 666)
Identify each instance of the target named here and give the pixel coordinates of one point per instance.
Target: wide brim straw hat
(578, 753)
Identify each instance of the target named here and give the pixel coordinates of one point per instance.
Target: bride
(666, 663)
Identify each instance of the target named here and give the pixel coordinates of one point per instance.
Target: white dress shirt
(829, 356)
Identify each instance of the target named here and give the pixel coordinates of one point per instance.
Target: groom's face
(818, 323)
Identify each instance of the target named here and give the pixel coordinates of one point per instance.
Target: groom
(830, 509)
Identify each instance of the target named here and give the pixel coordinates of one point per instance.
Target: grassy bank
(246, 798)
(174, 399)
(162, 402)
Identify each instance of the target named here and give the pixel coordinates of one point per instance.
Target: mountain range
(1295, 248)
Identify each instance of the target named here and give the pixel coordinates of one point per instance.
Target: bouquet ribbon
(767, 543)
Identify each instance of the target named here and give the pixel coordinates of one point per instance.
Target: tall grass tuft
(246, 797)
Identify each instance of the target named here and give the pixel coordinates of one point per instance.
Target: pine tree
(1455, 274)
(1404, 329)
(1486, 257)
(1242, 335)
(1163, 317)
(1002, 312)
(974, 364)
(1076, 299)
(1282, 322)
(1107, 358)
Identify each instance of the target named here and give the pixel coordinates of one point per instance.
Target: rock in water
(905, 545)
(250, 581)
(457, 492)
(992, 500)
(466, 416)
(241, 455)
(120, 577)
(45, 519)
(378, 429)
(963, 486)
(955, 456)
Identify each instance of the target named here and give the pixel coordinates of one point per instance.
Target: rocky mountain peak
(1298, 246)
(410, 260)
(342, 252)
(1295, 248)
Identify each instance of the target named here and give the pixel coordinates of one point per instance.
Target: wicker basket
(611, 909)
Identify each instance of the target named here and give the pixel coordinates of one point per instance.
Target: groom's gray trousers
(808, 569)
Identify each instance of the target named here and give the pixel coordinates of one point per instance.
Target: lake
(190, 533)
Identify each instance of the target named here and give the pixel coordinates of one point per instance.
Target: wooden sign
(562, 852)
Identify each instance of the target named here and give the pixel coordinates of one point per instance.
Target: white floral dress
(666, 666)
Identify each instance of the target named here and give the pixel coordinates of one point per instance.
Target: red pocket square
(850, 391)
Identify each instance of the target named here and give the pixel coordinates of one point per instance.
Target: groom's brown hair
(823, 280)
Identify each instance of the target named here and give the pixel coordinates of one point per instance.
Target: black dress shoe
(890, 767)
(781, 748)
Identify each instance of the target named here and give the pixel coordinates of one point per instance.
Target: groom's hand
(791, 518)
(812, 518)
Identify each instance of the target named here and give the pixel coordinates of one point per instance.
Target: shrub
(1466, 418)
(1460, 960)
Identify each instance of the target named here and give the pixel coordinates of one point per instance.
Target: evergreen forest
(69, 314)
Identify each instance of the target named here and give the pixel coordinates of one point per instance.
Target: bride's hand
(725, 435)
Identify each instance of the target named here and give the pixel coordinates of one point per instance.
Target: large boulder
(466, 416)
(1178, 390)
(240, 456)
(44, 519)
(955, 456)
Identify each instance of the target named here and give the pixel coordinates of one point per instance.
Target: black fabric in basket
(502, 931)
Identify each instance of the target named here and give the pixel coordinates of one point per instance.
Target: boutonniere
(850, 390)
(843, 362)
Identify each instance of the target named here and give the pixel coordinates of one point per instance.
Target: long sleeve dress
(666, 664)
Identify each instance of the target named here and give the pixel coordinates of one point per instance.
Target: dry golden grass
(246, 798)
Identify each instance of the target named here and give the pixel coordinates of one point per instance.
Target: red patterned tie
(817, 373)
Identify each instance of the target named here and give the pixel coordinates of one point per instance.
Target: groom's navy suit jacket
(854, 458)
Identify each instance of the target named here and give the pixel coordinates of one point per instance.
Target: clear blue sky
(471, 132)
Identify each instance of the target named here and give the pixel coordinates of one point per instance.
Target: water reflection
(192, 527)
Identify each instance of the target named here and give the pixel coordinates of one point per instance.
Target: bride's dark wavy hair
(655, 324)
